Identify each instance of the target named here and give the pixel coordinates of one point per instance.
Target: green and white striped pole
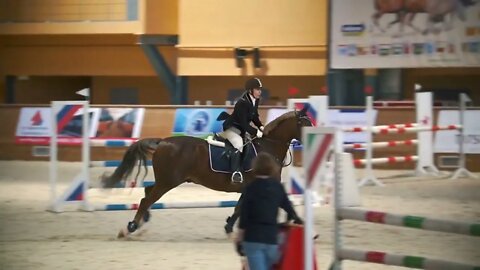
(417, 222)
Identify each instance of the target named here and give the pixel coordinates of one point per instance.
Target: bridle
(299, 129)
(299, 124)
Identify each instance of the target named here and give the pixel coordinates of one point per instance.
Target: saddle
(219, 151)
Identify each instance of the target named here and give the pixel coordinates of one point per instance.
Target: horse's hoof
(146, 216)
(132, 226)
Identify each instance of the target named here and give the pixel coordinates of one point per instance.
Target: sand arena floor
(32, 238)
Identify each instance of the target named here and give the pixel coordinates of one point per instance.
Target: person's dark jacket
(258, 213)
(243, 113)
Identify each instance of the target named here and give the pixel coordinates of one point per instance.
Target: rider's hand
(261, 128)
(259, 134)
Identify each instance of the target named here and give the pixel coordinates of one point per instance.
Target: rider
(238, 123)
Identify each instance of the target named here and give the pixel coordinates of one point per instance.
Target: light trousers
(233, 136)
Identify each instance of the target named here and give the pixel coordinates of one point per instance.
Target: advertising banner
(197, 122)
(402, 34)
(119, 123)
(447, 141)
(34, 125)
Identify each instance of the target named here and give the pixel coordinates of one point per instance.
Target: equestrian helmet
(253, 83)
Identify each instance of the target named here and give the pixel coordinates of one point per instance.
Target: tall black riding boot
(236, 164)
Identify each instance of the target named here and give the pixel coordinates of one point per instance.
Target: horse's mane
(273, 124)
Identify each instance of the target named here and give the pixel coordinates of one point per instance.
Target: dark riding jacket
(244, 113)
(262, 199)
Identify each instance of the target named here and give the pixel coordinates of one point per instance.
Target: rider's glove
(261, 128)
(259, 134)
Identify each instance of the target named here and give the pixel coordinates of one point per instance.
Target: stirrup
(237, 177)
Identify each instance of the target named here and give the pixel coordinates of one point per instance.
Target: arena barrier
(62, 112)
(424, 130)
(77, 191)
(345, 213)
(423, 127)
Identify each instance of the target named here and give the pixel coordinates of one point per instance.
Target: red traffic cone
(293, 250)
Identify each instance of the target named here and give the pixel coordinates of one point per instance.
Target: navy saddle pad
(220, 161)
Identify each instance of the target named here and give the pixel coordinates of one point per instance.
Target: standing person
(238, 123)
(258, 228)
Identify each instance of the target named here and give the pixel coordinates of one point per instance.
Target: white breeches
(234, 138)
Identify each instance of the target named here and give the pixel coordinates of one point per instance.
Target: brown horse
(177, 160)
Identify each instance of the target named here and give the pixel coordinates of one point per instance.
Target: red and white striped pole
(392, 126)
(384, 160)
(380, 144)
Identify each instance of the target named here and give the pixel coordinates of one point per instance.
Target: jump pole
(472, 229)
(66, 110)
(462, 171)
(318, 113)
(318, 144)
(369, 175)
(170, 205)
(423, 127)
(424, 114)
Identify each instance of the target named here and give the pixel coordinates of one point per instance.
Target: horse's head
(279, 133)
(302, 120)
(288, 126)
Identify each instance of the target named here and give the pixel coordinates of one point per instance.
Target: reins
(275, 140)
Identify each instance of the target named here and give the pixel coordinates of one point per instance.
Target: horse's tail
(137, 153)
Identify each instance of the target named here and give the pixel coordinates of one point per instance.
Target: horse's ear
(305, 109)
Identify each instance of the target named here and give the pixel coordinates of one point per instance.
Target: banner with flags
(403, 34)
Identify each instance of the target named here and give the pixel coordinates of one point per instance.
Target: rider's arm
(256, 120)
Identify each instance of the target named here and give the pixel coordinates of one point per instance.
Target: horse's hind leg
(231, 222)
(150, 198)
(233, 218)
(146, 216)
